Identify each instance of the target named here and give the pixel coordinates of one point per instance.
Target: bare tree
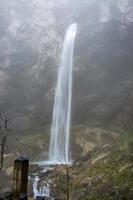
(4, 130)
(6, 116)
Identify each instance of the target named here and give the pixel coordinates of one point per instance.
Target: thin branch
(4, 130)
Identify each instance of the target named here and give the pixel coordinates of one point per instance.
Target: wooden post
(20, 177)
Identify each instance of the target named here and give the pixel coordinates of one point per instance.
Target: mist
(31, 41)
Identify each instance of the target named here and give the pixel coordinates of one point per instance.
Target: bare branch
(5, 118)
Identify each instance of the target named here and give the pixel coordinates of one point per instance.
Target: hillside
(102, 168)
(103, 173)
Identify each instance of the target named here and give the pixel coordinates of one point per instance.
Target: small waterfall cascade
(60, 130)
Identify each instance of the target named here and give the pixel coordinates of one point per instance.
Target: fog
(31, 41)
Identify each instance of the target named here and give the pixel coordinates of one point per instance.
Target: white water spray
(60, 131)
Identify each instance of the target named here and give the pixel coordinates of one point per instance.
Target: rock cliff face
(31, 35)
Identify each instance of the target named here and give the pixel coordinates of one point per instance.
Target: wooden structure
(20, 178)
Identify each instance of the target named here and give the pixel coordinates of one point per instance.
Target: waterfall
(60, 130)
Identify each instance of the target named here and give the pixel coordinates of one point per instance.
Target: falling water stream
(60, 131)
